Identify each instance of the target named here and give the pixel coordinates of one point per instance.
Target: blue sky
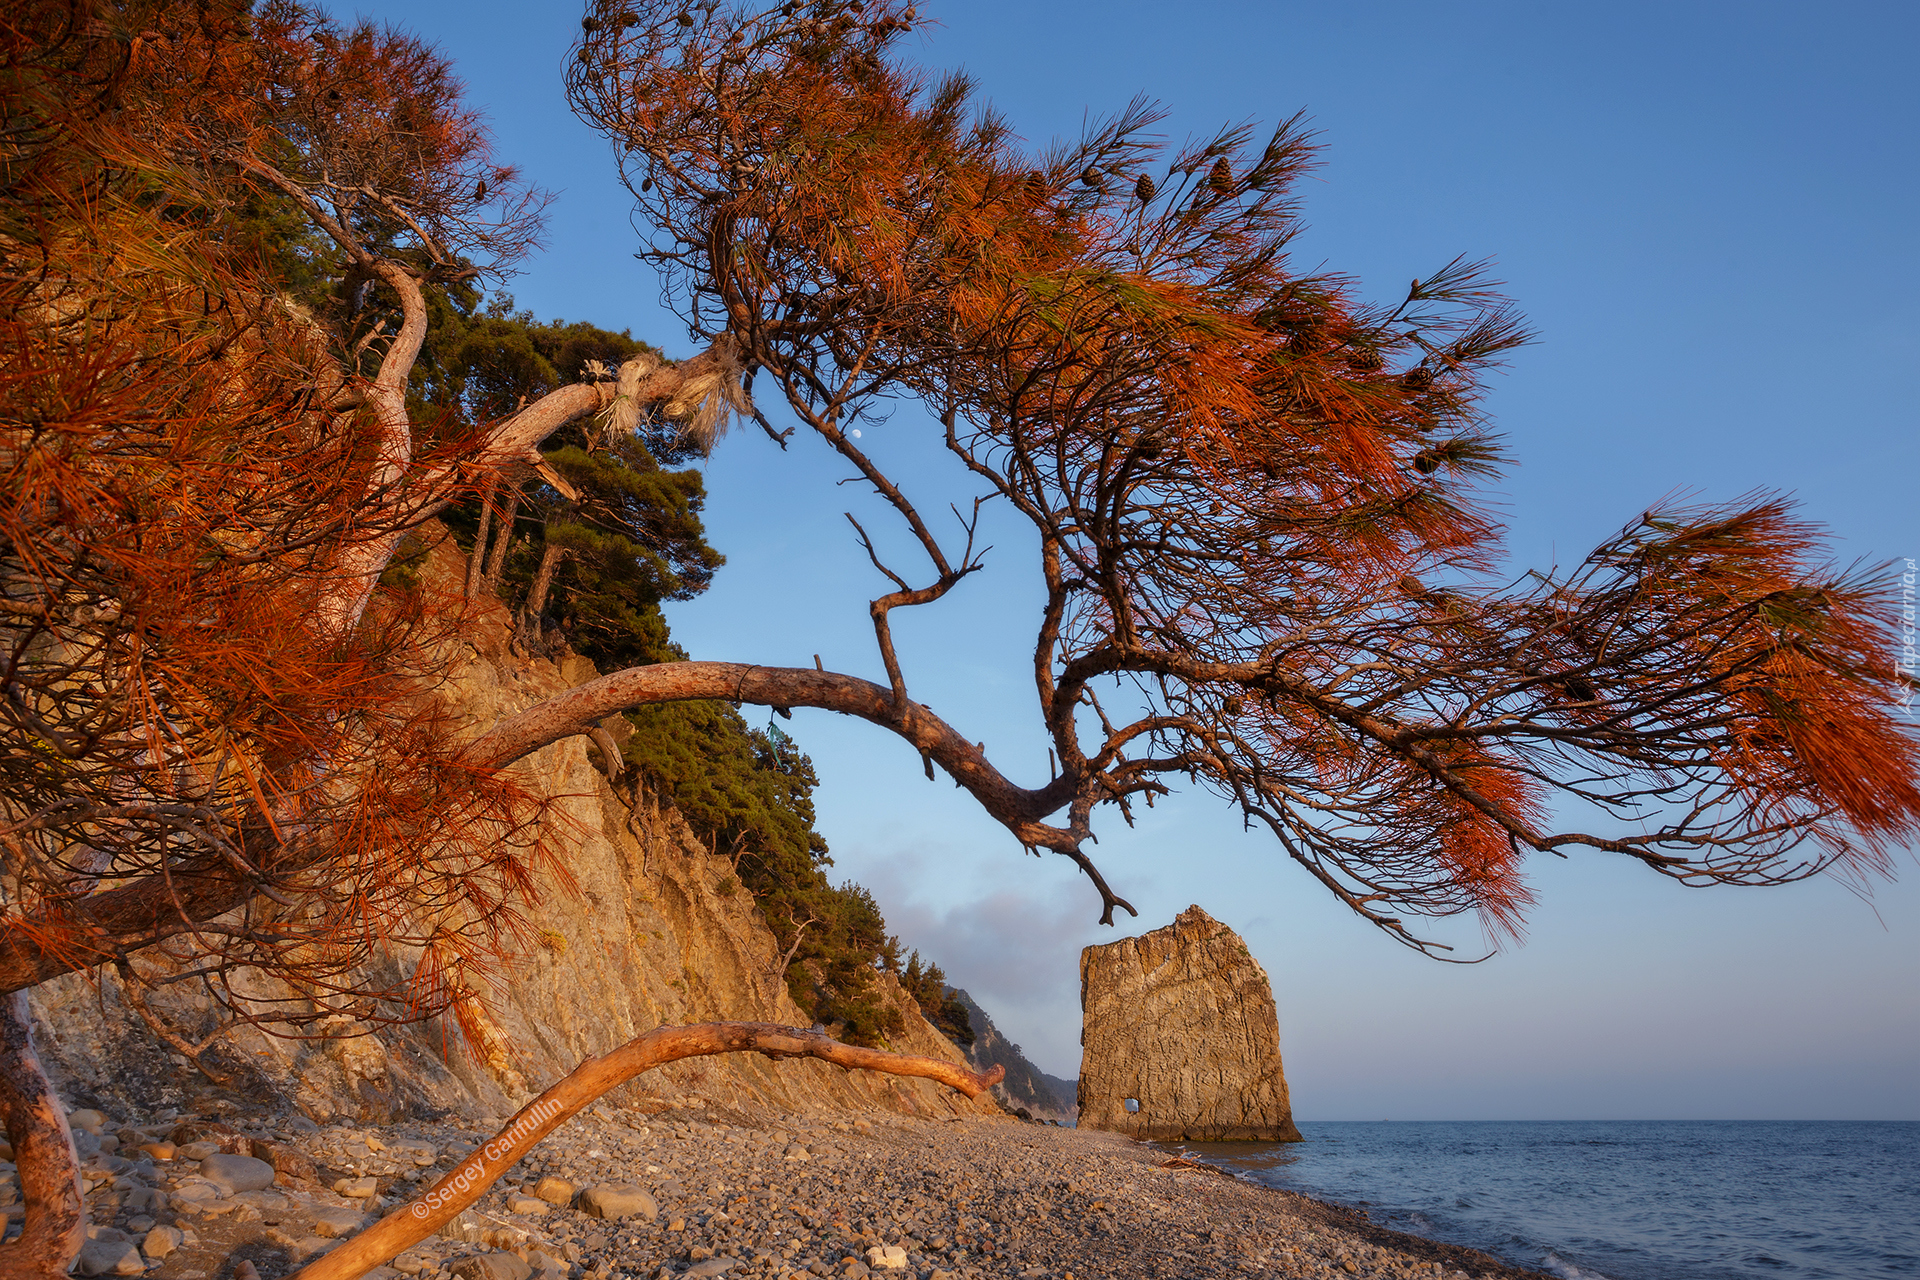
(1708, 212)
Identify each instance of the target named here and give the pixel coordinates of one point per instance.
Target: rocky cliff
(656, 932)
(1025, 1087)
(1181, 1021)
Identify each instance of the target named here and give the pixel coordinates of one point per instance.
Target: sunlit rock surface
(1181, 1021)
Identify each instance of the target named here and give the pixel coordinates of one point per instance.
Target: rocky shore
(632, 1196)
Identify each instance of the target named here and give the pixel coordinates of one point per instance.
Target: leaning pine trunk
(441, 1203)
(36, 1125)
(476, 563)
(550, 558)
(497, 558)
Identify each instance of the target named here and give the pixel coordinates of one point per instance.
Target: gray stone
(160, 1242)
(1180, 1022)
(307, 1247)
(334, 1223)
(116, 1257)
(236, 1173)
(358, 1188)
(196, 1150)
(618, 1200)
(270, 1204)
(146, 1199)
(88, 1119)
(492, 1266)
(555, 1190)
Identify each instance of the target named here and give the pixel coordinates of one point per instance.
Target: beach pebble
(111, 1254)
(160, 1242)
(712, 1267)
(333, 1223)
(492, 1266)
(889, 1257)
(618, 1200)
(554, 1190)
(88, 1119)
(236, 1173)
(527, 1204)
(357, 1188)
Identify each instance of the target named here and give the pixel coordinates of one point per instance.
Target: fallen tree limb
(441, 1203)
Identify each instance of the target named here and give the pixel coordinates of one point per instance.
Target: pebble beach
(628, 1196)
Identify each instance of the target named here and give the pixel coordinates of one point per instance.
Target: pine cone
(1220, 177)
(1144, 189)
(1418, 378)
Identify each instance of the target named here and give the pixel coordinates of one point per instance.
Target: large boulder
(1180, 1023)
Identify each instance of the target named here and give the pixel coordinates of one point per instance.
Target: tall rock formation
(1181, 1021)
(656, 932)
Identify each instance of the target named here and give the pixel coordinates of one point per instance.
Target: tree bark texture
(56, 1223)
(576, 710)
(442, 1202)
(530, 626)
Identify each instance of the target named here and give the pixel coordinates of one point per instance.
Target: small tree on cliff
(1258, 536)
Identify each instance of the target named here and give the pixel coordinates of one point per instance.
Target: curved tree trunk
(531, 629)
(497, 558)
(36, 1125)
(441, 1203)
(477, 562)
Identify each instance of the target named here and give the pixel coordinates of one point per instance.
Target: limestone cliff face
(656, 933)
(1182, 1021)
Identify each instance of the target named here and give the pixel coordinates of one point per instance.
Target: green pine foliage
(928, 986)
(632, 540)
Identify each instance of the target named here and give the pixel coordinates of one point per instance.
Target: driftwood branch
(442, 1202)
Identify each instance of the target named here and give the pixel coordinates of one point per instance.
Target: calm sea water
(1624, 1200)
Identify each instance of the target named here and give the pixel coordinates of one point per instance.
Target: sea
(1622, 1200)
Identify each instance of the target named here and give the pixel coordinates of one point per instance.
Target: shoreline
(796, 1197)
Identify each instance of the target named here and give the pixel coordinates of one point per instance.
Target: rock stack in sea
(1181, 1023)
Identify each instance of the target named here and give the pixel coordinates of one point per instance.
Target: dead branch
(441, 1203)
